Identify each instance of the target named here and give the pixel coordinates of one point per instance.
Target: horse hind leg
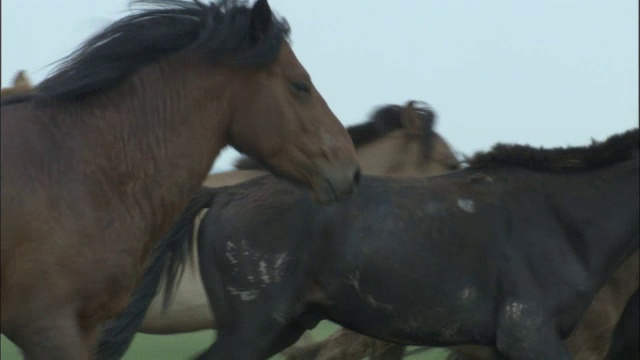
(54, 339)
(260, 329)
(249, 343)
(245, 329)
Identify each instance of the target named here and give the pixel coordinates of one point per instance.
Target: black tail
(169, 258)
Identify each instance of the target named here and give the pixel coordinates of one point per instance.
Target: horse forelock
(616, 148)
(213, 31)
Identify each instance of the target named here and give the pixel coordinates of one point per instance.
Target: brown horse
(404, 138)
(101, 158)
(21, 85)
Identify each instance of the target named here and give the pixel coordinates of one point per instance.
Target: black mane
(212, 31)
(616, 148)
(382, 121)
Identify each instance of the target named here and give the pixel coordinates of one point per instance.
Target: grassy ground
(185, 346)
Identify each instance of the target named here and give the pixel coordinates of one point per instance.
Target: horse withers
(103, 155)
(506, 253)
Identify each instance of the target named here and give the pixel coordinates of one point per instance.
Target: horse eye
(301, 87)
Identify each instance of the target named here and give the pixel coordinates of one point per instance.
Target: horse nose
(336, 182)
(343, 186)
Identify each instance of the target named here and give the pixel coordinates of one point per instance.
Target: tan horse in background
(21, 85)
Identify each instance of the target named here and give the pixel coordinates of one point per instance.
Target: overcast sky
(538, 72)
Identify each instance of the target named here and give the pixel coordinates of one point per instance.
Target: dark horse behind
(507, 253)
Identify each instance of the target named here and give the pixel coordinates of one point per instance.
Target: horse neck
(599, 208)
(397, 154)
(379, 156)
(151, 141)
(442, 153)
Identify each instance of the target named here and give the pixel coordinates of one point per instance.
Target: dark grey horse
(507, 253)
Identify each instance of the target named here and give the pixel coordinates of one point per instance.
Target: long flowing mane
(382, 121)
(616, 148)
(161, 27)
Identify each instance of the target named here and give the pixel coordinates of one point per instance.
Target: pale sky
(538, 72)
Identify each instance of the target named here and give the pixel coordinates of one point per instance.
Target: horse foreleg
(54, 338)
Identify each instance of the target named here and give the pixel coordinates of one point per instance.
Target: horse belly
(399, 309)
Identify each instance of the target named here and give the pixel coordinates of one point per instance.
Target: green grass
(185, 346)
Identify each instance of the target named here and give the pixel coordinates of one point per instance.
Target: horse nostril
(356, 176)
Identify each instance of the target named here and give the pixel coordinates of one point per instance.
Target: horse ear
(261, 18)
(21, 79)
(410, 117)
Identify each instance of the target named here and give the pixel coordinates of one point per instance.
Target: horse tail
(169, 257)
